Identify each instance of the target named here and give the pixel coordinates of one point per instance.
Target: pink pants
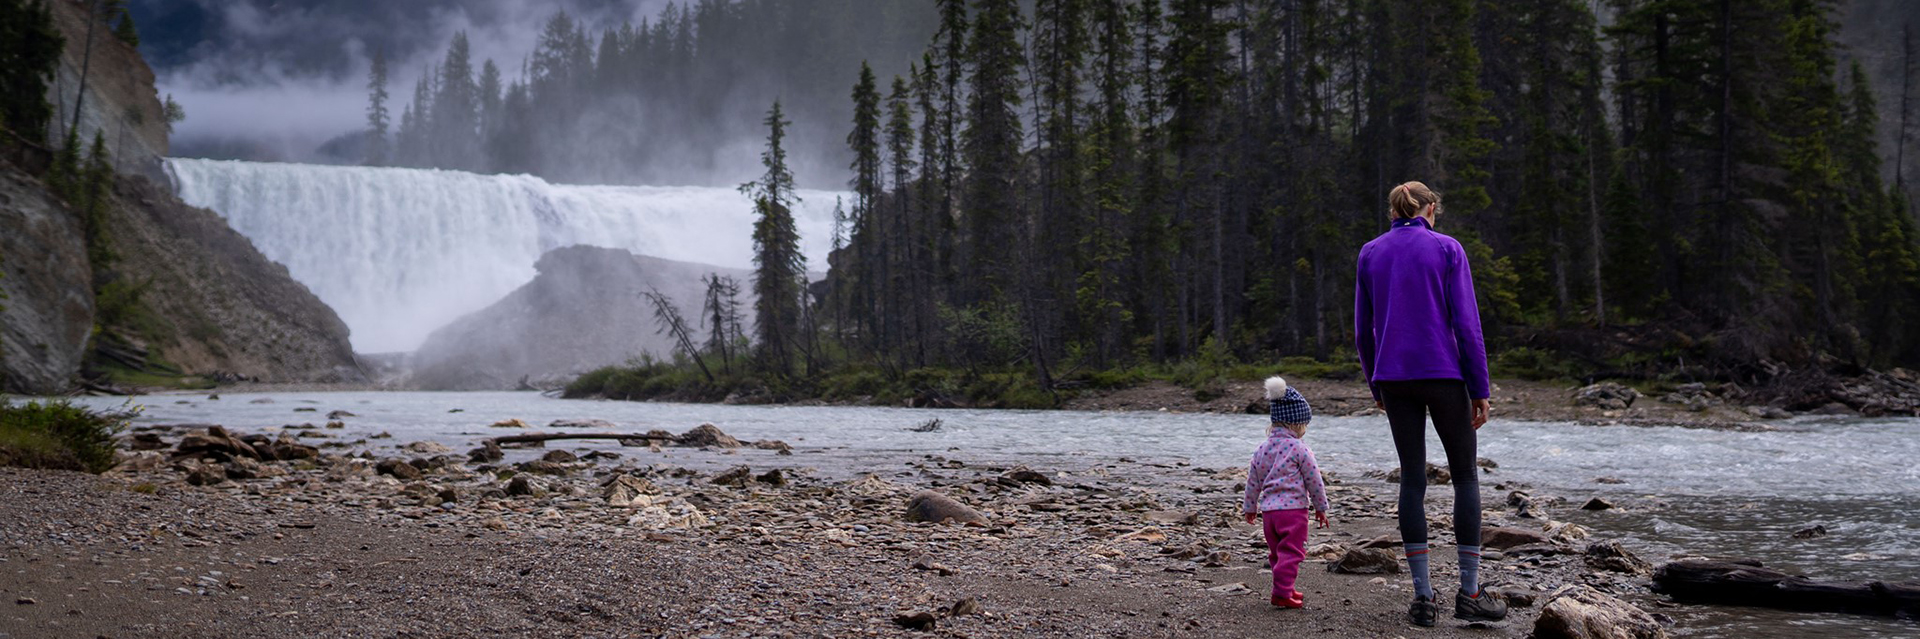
(1286, 545)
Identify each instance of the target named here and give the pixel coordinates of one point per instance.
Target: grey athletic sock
(1417, 564)
(1470, 570)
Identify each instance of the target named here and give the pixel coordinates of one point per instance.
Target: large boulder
(214, 442)
(1580, 612)
(931, 506)
(706, 435)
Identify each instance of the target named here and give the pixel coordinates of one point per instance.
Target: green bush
(59, 435)
(1532, 364)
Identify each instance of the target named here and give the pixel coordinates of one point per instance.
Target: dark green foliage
(96, 200)
(59, 436)
(125, 31)
(30, 48)
(378, 118)
(780, 270)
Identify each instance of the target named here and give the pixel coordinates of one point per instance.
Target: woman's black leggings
(1408, 404)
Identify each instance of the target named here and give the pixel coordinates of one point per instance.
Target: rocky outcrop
(47, 312)
(121, 101)
(584, 310)
(212, 304)
(1581, 612)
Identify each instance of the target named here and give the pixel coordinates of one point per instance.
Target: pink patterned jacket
(1284, 476)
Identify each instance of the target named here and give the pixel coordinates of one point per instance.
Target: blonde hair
(1298, 430)
(1406, 201)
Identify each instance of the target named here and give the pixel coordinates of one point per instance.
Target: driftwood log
(1746, 582)
(541, 438)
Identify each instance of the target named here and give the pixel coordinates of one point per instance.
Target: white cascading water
(401, 252)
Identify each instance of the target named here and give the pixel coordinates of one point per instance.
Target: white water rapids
(401, 252)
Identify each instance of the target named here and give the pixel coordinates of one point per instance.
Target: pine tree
(125, 30)
(867, 183)
(992, 149)
(456, 110)
(377, 117)
(491, 112)
(907, 255)
(96, 191)
(779, 267)
(30, 47)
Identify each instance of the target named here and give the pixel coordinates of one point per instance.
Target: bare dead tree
(673, 324)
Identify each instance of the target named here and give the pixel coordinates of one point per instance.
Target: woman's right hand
(1481, 409)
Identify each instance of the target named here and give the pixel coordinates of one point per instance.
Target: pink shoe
(1297, 600)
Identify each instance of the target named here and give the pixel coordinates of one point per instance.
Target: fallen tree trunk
(535, 438)
(1747, 583)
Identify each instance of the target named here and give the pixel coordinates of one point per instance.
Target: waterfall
(401, 252)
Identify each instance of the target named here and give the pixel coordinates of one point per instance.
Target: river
(1684, 491)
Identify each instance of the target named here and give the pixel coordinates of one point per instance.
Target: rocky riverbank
(209, 533)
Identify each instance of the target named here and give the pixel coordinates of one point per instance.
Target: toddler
(1283, 482)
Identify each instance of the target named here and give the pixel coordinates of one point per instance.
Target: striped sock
(1417, 564)
(1470, 570)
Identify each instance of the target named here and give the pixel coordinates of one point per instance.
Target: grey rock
(737, 476)
(559, 457)
(1581, 612)
(399, 469)
(1606, 395)
(1366, 561)
(706, 435)
(1504, 538)
(1609, 555)
(931, 506)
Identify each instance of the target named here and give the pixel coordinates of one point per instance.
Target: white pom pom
(1276, 388)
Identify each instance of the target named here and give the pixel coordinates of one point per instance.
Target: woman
(1417, 328)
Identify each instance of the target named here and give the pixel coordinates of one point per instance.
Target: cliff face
(211, 303)
(583, 311)
(183, 295)
(48, 287)
(120, 100)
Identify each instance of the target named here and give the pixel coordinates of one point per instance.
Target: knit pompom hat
(1285, 404)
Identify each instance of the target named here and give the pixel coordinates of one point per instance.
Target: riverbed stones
(1597, 504)
(738, 476)
(488, 452)
(560, 457)
(1810, 532)
(708, 435)
(774, 478)
(1437, 475)
(1606, 396)
(1366, 561)
(398, 468)
(214, 442)
(1503, 538)
(1611, 556)
(1023, 475)
(426, 448)
(544, 467)
(206, 475)
(933, 507)
(1581, 612)
(520, 486)
(1564, 532)
(625, 490)
(509, 423)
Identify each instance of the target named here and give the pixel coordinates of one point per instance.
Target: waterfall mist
(399, 253)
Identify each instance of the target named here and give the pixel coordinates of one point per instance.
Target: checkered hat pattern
(1286, 404)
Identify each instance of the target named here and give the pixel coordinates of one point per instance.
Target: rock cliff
(583, 310)
(120, 99)
(48, 287)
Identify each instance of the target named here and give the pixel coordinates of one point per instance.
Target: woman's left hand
(1481, 408)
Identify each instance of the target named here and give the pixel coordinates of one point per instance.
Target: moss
(59, 435)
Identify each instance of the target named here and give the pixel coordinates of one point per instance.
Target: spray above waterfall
(401, 252)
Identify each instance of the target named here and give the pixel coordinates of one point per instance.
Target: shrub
(59, 435)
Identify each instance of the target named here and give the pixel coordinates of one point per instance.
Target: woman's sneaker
(1422, 612)
(1479, 607)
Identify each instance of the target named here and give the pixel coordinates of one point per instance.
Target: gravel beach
(198, 538)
